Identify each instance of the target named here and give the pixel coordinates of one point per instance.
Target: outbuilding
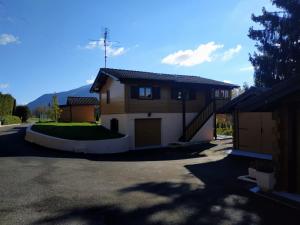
(79, 109)
(268, 121)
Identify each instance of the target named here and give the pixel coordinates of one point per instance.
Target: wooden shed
(79, 109)
(252, 131)
(279, 106)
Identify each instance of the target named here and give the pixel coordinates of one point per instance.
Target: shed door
(147, 132)
(255, 131)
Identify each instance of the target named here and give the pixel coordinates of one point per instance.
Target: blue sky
(48, 46)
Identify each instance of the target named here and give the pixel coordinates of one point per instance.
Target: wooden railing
(201, 118)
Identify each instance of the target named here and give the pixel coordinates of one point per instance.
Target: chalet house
(282, 105)
(156, 109)
(79, 109)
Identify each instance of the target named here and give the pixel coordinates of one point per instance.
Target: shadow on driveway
(219, 199)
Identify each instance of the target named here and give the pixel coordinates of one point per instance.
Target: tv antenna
(106, 44)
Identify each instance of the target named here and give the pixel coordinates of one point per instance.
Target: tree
(23, 112)
(238, 91)
(55, 110)
(278, 43)
(7, 104)
(245, 86)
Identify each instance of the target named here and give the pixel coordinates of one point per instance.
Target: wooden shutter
(134, 92)
(174, 93)
(156, 92)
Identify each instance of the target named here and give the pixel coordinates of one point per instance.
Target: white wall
(105, 146)
(171, 127)
(206, 133)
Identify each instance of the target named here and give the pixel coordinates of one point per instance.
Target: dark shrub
(23, 112)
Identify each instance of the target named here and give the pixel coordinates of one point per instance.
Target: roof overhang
(100, 81)
(103, 75)
(270, 99)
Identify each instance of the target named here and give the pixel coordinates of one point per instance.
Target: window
(145, 92)
(223, 94)
(107, 97)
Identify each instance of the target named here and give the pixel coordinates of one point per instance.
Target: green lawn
(75, 131)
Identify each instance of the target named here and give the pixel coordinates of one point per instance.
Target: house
(282, 103)
(156, 109)
(79, 109)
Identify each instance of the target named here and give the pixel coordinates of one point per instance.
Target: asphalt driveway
(194, 185)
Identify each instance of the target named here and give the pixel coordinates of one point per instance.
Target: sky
(49, 46)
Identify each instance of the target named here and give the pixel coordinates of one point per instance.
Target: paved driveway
(181, 186)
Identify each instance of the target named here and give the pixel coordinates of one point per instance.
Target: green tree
(55, 110)
(23, 112)
(278, 43)
(7, 103)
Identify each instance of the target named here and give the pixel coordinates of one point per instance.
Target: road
(194, 185)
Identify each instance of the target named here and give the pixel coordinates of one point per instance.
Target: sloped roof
(272, 96)
(244, 97)
(123, 75)
(82, 101)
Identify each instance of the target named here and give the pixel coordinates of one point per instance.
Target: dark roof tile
(82, 101)
(141, 75)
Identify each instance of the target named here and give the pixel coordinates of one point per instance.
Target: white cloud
(247, 69)
(227, 81)
(6, 39)
(191, 57)
(91, 80)
(111, 51)
(227, 55)
(3, 85)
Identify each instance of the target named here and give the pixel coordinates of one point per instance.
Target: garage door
(147, 132)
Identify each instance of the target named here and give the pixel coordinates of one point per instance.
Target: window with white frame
(222, 94)
(145, 92)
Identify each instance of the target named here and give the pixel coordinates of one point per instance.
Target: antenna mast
(105, 45)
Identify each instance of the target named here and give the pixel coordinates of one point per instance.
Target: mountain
(44, 100)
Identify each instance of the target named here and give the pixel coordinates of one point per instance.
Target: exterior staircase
(201, 118)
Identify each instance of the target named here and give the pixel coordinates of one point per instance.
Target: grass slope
(75, 131)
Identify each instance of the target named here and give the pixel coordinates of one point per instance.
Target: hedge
(224, 131)
(8, 119)
(7, 104)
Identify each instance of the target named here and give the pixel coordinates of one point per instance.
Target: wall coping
(104, 146)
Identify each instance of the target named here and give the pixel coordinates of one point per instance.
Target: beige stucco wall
(206, 133)
(171, 126)
(117, 97)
